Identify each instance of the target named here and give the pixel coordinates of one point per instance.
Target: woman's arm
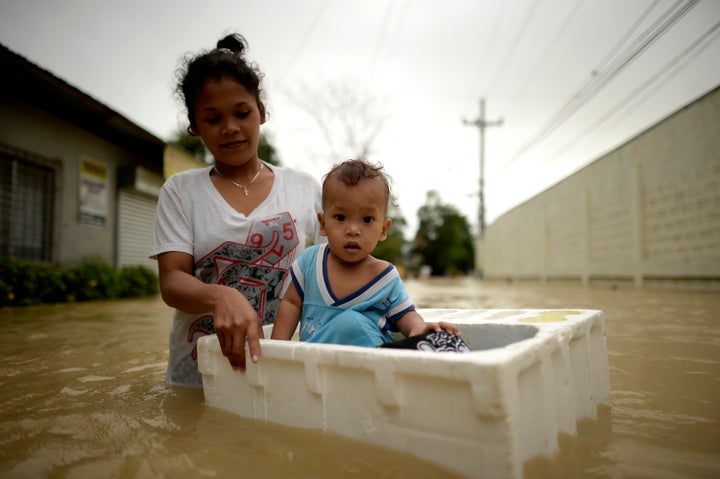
(235, 320)
(288, 314)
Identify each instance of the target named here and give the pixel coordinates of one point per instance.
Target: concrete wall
(647, 213)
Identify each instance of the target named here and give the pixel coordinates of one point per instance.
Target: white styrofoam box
(532, 374)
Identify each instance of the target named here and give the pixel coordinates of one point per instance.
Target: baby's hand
(440, 325)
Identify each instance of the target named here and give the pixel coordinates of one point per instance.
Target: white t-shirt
(250, 253)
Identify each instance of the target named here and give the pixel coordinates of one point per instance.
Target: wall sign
(93, 193)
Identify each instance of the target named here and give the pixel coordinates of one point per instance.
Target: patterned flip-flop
(433, 341)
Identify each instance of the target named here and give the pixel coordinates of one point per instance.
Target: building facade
(77, 179)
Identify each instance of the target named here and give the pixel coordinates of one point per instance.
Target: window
(26, 206)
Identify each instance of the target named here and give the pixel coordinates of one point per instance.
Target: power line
(513, 46)
(600, 79)
(633, 100)
(395, 32)
(381, 37)
(491, 40)
(542, 58)
(613, 51)
(306, 36)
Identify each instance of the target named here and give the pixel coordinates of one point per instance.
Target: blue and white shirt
(383, 299)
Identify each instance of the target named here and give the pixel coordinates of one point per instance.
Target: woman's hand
(235, 322)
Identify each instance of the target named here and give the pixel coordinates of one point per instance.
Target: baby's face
(353, 218)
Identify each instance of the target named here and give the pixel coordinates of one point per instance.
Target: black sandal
(433, 341)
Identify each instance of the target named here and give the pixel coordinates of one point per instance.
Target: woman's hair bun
(234, 42)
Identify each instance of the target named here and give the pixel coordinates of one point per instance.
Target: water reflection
(83, 394)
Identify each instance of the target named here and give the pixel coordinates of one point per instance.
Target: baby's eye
(368, 219)
(243, 114)
(340, 217)
(211, 120)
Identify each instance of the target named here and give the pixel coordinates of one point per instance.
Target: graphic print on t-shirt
(257, 265)
(202, 326)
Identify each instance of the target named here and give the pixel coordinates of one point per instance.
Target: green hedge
(24, 283)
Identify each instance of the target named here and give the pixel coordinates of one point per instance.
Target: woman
(226, 235)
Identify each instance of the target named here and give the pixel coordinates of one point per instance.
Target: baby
(340, 293)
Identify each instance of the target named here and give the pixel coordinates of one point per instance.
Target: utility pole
(481, 123)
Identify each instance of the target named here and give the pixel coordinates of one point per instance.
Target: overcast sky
(571, 80)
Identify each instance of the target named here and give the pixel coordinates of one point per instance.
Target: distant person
(226, 235)
(340, 294)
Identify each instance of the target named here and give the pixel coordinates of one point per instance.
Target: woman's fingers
(232, 343)
(253, 340)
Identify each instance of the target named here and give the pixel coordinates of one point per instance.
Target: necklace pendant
(238, 185)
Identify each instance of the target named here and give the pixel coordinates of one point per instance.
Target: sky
(563, 82)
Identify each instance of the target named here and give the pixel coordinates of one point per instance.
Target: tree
(267, 152)
(348, 117)
(443, 240)
(192, 144)
(392, 249)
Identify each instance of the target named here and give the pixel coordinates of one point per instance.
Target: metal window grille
(26, 208)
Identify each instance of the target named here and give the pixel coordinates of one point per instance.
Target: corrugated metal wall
(136, 214)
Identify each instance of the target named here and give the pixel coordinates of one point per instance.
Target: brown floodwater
(83, 395)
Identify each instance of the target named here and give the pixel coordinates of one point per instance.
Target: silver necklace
(243, 187)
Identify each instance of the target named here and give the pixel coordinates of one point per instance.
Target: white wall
(648, 212)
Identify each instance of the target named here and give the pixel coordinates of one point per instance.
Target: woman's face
(228, 120)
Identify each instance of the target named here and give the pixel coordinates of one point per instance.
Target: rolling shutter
(136, 214)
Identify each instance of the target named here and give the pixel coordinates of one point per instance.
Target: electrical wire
(390, 48)
(613, 51)
(542, 58)
(599, 80)
(301, 45)
(381, 36)
(642, 93)
(522, 29)
(489, 45)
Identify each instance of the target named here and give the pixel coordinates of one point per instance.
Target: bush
(93, 279)
(137, 281)
(25, 283)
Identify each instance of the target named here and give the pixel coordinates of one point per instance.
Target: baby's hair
(227, 60)
(350, 172)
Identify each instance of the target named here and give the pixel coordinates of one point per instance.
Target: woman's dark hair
(227, 60)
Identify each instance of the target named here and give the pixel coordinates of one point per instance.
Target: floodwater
(83, 395)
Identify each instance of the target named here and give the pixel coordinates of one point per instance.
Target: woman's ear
(261, 107)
